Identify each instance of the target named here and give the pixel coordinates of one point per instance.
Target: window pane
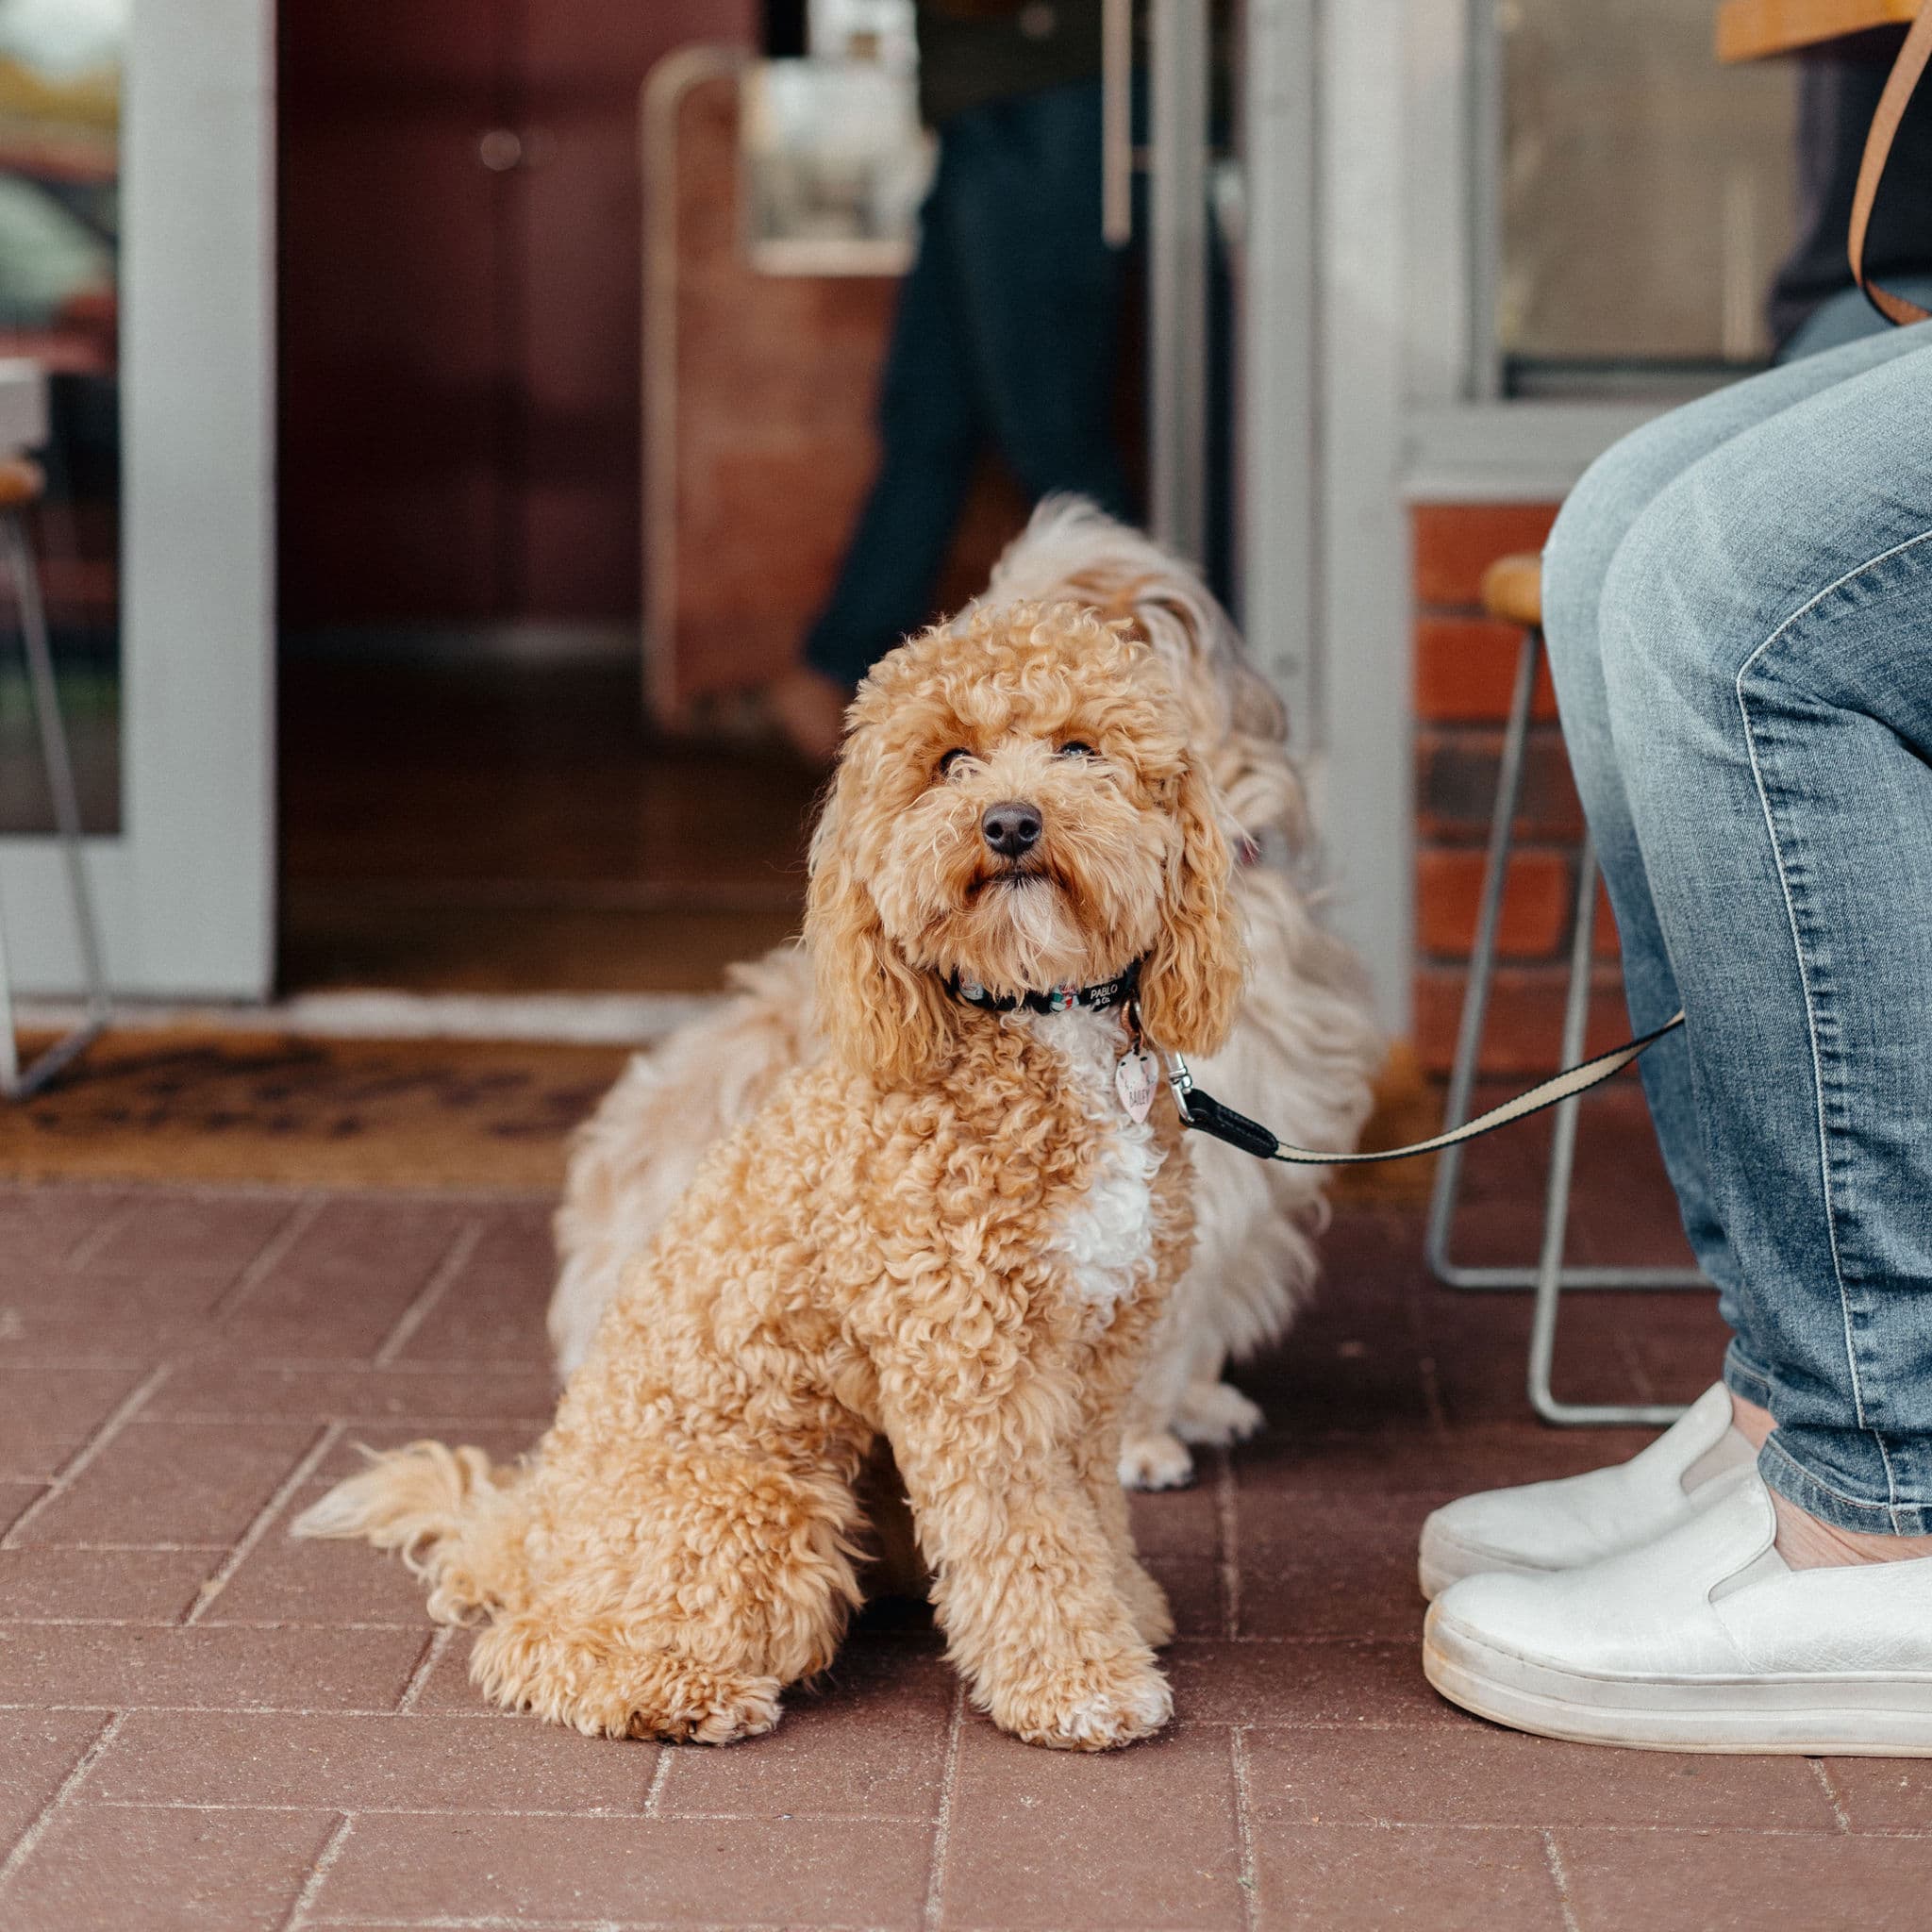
(1646, 193)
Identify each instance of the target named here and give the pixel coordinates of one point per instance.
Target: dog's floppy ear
(1191, 981)
(885, 1017)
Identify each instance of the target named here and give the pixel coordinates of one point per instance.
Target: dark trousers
(1005, 335)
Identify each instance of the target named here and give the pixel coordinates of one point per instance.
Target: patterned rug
(231, 1107)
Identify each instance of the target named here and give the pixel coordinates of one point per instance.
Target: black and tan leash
(1206, 1115)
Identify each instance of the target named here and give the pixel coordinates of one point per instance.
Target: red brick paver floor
(203, 1724)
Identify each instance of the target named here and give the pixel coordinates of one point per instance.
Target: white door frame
(1368, 138)
(1322, 360)
(186, 893)
(1276, 447)
(1363, 596)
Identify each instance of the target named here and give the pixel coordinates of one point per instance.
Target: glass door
(136, 277)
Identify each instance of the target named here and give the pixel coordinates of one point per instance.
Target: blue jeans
(1738, 601)
(1005, 335)
(1847, 317)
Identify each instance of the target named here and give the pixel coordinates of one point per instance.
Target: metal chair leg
(1550, 1277)
(16, 1082)
(1445, 1195)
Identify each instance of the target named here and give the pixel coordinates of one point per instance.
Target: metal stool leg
(16, 1082)
(1550, 1277)
(1444, 1197)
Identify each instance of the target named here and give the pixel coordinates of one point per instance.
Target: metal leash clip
(1206, 1115)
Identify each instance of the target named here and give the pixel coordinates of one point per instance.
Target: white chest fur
(1106, 1235)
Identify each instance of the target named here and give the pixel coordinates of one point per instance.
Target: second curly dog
(956, 1234)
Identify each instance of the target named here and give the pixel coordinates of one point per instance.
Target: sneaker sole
(1864, 1714)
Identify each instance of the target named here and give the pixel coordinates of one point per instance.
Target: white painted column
(1276, 442)
(1364, 576)
(1177, 275)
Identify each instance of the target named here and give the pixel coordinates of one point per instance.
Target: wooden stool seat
(21, 483)
(1512, 590)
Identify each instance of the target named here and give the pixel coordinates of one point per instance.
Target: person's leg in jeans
(1587, 1518)
(1764, 640)
(1767, 654)
(1591, 529)
(1848, 317)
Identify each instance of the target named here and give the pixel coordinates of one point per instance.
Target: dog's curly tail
(448, 1512)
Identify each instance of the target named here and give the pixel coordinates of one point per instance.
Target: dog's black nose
(1011, 829)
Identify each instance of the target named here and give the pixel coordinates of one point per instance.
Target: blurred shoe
(1582, 1519)
(1704, 1640)
(810, 708)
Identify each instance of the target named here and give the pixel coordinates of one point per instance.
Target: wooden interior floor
(507, 828)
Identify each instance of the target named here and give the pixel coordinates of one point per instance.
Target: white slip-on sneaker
(1583, 1519)
(1705, 1640)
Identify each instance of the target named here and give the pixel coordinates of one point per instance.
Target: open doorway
(471, 799)
(532, 579)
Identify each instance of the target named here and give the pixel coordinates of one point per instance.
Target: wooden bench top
(21, 482)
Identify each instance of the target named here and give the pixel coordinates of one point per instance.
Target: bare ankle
(1752, 1423)
(1806, 1544)
(1804, 1541)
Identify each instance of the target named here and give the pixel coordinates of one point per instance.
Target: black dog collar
(1059, 999)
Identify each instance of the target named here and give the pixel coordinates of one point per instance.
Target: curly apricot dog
(953, 1233)
(1301, 1056)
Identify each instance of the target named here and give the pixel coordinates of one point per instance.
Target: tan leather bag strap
(1907, 72)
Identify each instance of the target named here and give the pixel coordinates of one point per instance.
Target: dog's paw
(1216, 1414)
(1092, 1707)
(1155, 1461)
(669, 1699)
(731, 1710)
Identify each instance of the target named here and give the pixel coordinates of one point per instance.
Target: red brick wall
(1465, 668)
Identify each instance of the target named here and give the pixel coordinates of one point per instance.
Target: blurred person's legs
(1006, 332)
(930, 430)
(1745, 668)
(1042, 290)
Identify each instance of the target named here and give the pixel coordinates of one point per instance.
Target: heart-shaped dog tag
(1135, 1081)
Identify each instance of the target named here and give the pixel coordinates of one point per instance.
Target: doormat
(210, 1105)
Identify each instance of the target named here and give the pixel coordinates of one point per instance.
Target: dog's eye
(945, 765)
(1075, 748)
